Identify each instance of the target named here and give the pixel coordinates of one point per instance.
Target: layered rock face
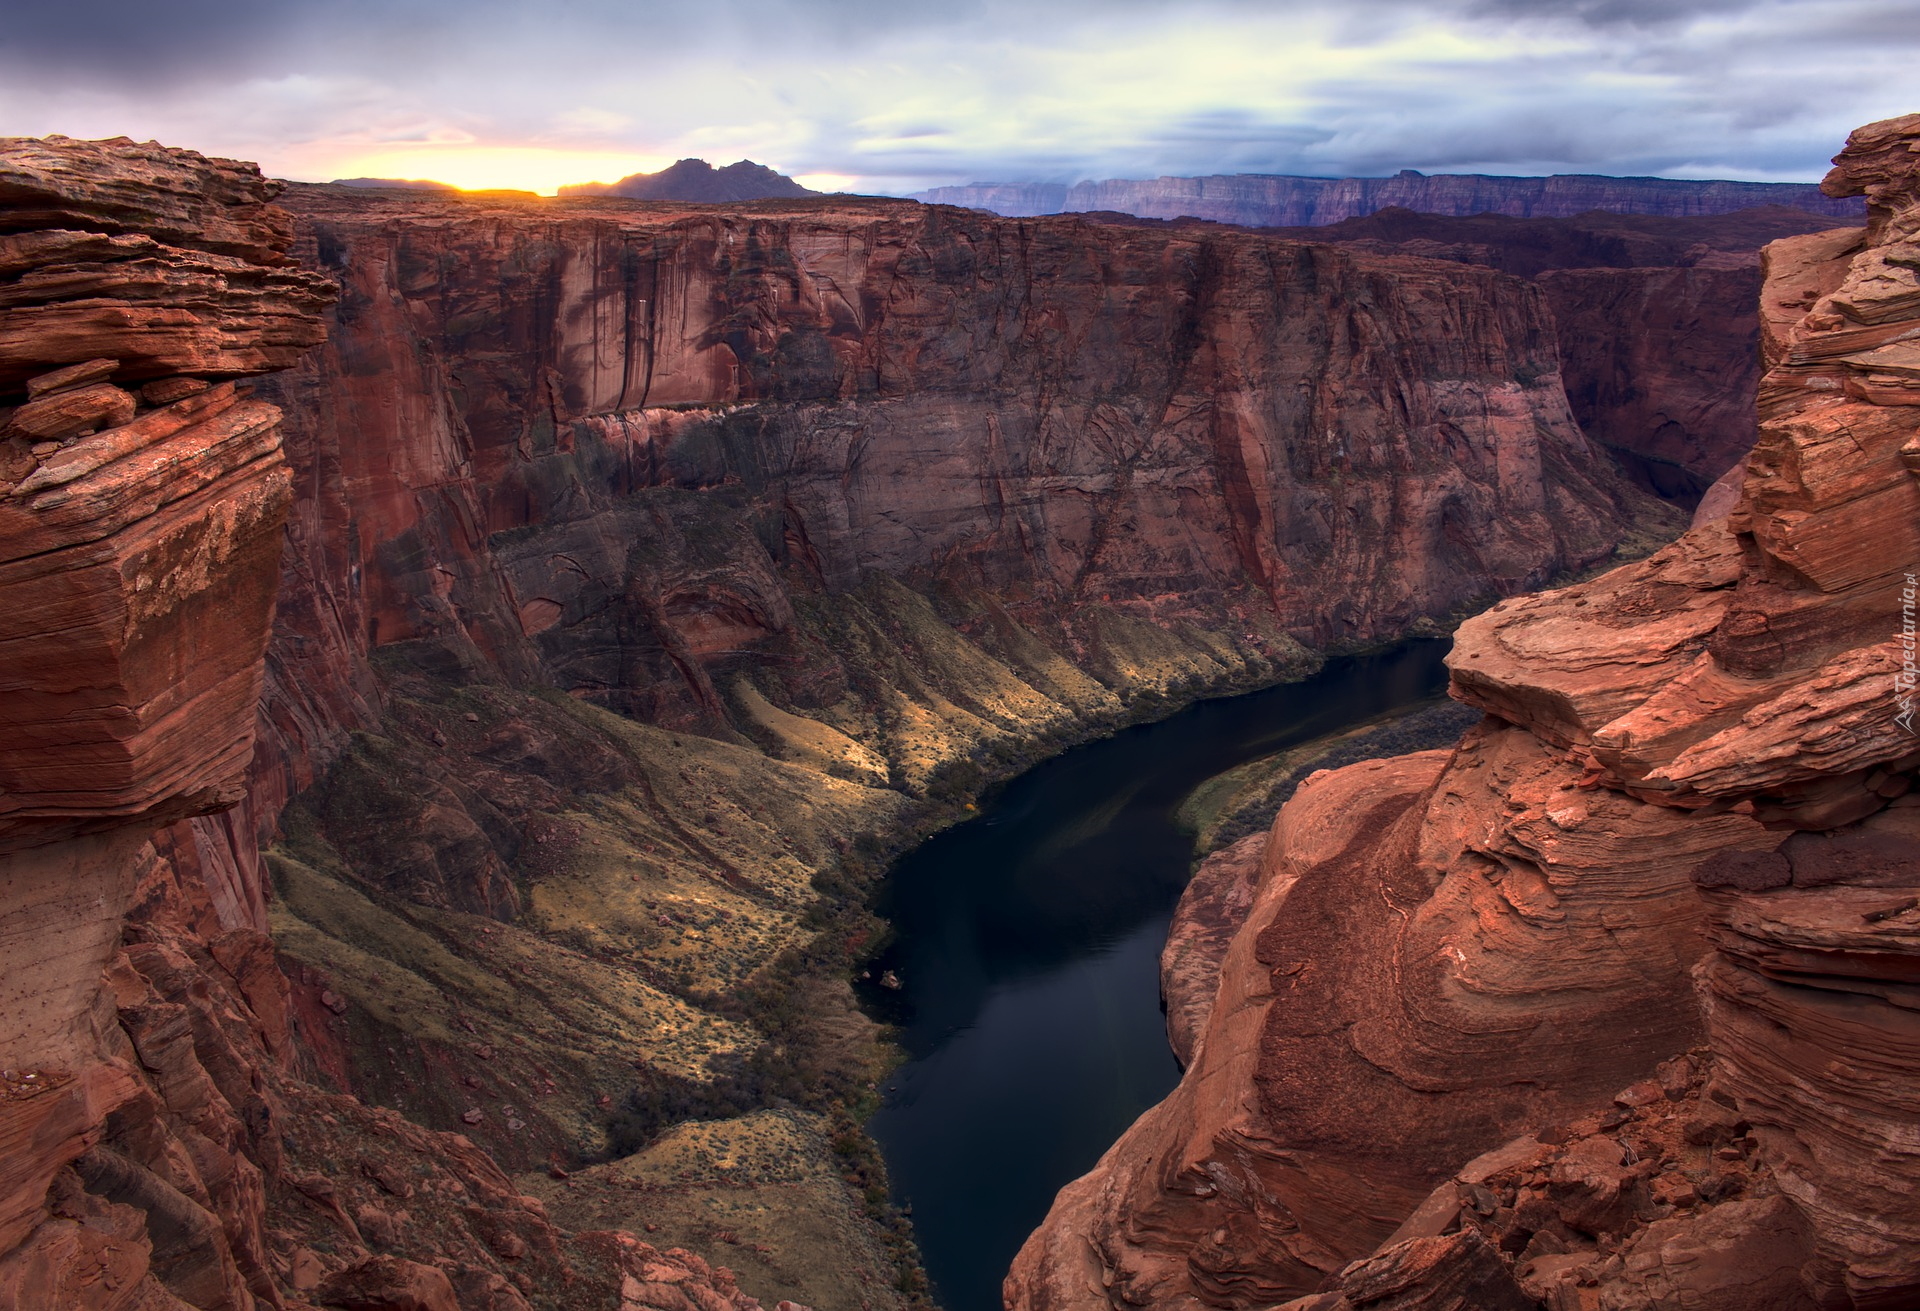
(1069, 416)
(157, 1147)
(889, 495)
(142, 503)
(1450, 949)
(139, 544)
(1655, 318)
(1266, 200)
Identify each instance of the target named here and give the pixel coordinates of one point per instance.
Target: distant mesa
(404, 184)
(696, 180)
(1275, 200)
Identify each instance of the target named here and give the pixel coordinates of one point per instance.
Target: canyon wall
(159, 1145)
(1659, 338)
(1611, 1005)
(1268, 200)
(1063, 415)
(646, 570)
(835, 506)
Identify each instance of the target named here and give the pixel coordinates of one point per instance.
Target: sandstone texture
(1648, 925)
(138, 558)
(1211, 912)
(839, 507)
(139, 536)
(1655, 319)
(1065, 416)
(161, 1143)
(646, 570)
(1265, 200)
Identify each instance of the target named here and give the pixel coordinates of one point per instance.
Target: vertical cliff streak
(1691, 776)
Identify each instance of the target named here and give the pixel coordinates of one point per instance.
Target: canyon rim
(464, 660)
(1609, 1006)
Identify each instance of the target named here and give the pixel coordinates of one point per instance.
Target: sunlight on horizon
(824, 181)
(488, 168)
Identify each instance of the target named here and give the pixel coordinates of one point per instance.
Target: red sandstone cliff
(1655, 318)
(685, 465)
(669, 461)
(1067, 416)
(1451, 949)
(158, 1147)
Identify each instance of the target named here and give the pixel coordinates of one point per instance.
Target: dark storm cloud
(126, 39)
(198, 39)
(906, 93)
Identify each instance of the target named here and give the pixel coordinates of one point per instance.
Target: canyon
(466, 660)
(1611, 1005)
(1270, 200)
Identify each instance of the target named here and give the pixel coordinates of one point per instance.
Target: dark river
(1028, 947)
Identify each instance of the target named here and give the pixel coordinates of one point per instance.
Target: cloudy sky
(896, 95)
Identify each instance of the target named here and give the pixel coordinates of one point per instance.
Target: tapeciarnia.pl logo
(1903, 682)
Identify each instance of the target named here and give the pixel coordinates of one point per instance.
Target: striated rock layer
(1266, 200)
(159, 1148)
(1452, 949)
(1656, 320)
(637, 559)
(1064, 416)
(837, 506)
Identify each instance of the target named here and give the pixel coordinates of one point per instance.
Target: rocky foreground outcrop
(1269, 200)
(158, 1146)
(1613, 1005)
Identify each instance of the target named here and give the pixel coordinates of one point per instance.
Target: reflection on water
(1028, 946)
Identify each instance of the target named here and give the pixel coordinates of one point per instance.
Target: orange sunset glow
(487, 168)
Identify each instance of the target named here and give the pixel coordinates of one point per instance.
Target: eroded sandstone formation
(1685, 823)
(1655, 316)
(891, 495)
(140, 533)
(1066, 416)
(640, 563)
(158, 1147)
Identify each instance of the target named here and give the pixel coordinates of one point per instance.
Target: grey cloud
(1769, 86)
(1603, 14)
(173, 40)
(189, 40)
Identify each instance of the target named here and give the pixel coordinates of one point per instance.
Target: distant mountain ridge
(698, 181)
(1276, 200)
(402, 184)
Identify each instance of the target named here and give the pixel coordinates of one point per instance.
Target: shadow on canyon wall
(649, 573)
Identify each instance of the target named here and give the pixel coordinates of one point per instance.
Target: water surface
(1028, 948)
